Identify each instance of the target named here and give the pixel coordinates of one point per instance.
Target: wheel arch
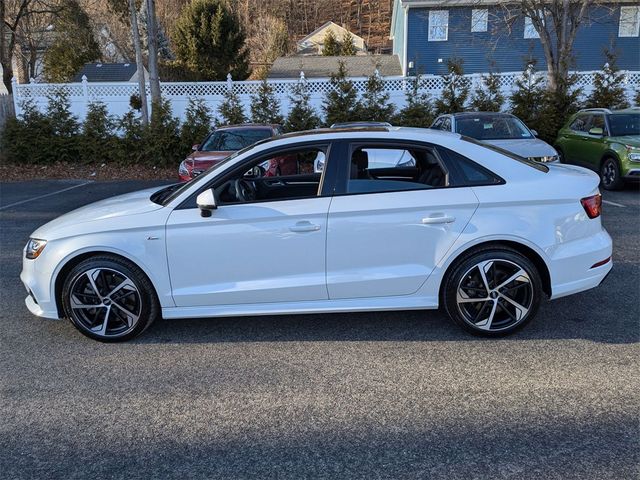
(609, 154)
(74, 259)
(527, 251)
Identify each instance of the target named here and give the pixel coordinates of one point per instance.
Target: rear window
(507, 153)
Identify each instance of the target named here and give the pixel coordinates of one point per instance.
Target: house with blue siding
(493, 36)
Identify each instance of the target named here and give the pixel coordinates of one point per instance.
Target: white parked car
(470, 228)
(500, 129)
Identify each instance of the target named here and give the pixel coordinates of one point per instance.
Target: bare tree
(152, 42)
(556, 22)
(140, 65)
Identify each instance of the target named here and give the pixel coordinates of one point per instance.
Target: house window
(529, 30)
(438, 25)
(479, 19)
(629, 21)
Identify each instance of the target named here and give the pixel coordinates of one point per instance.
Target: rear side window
(464, 172)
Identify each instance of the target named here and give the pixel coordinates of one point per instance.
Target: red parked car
(224, 141)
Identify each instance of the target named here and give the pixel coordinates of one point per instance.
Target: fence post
(229, 82)
(85, 90)
(14, 89)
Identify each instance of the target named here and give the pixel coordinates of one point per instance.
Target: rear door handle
(437, 219)
(305, 226)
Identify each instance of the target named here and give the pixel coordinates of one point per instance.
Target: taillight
(592, 205)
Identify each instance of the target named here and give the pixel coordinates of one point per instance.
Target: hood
(206, 159)
(129, 204)
(525, 147)
(633, 140)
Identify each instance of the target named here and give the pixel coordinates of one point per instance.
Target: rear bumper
(573, 268)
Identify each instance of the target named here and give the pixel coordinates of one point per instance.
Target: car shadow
(594, 315)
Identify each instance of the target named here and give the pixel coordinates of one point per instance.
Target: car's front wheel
(492, 292)
(610, 175)
(108, 298)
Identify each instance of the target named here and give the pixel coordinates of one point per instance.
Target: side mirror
(534, 133)
(206, 202)
(596, 131)
(195, 147)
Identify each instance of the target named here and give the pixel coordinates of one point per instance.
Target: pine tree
(302, 115)
(64, 127)
(98, 133)
(375, 106)
(636, 99)
(487, 97)
(418, 111)
(347, 47)
(527, 98)
(230, 110)
(341, 103)
(608, 90)
(455, 91)
(331, 47)
(160, 139)
(209, 39)
(557, 107)
(197, 123)
(265, 106)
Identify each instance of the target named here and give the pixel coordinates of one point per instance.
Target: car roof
(241, 126)
(480, 114)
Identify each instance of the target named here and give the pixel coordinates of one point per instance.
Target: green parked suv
(605, 141)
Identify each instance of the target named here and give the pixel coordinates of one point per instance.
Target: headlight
(547, 159)
(182, 169)
(634, 157)
(35, 247)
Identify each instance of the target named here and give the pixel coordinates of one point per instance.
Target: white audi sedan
(470, 228)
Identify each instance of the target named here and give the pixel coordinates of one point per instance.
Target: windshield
(492, 127)
(507, 153)
(622, 124)
(231, 140)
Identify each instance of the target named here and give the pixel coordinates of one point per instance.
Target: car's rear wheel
(610, 175)
(108, 298)
(492, 292)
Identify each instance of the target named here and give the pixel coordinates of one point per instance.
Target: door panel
(386, 244)
(249, 253)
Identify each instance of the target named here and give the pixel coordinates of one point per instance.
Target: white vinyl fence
(116, 95)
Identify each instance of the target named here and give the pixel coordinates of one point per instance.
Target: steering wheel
(245, 190)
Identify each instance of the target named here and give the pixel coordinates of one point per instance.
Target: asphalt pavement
(370, 395)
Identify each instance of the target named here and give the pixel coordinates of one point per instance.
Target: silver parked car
(500, 129)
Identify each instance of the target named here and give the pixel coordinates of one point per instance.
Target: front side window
(529, 30)
(446, 124)
(230, 140)
(288, 174)
(629, 21)
(492, 127)
(479, 19)
(438, 25)
(375, 169)
(597, 121)
(579, 124)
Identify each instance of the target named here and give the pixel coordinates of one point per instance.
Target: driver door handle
(438, 218)
(304, 226)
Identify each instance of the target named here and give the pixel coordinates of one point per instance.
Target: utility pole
(139, 63)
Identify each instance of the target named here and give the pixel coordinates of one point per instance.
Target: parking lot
(370, 395)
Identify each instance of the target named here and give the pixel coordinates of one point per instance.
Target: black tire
(502, 316)
(610, 177)
(125, 297)
(561, 157)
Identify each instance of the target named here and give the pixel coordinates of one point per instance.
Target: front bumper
(39, 299)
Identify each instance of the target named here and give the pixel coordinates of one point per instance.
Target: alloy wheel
(608, 173)
(494, 295)
(105, 301)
